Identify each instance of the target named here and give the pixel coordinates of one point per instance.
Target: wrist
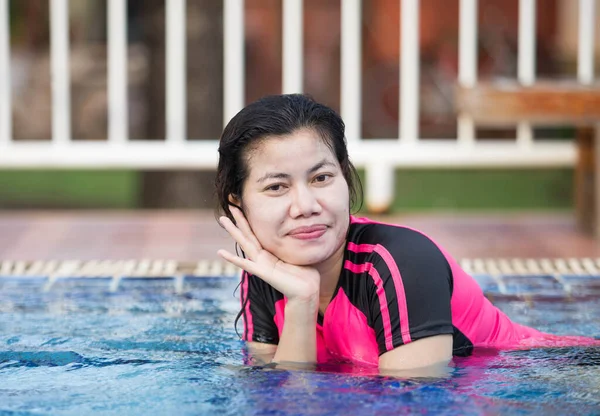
(302, 310)
(303, 302)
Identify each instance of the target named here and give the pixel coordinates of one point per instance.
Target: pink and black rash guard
(396, 286)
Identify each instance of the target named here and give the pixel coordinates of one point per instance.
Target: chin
(304, 259)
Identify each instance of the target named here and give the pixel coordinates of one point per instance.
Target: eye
(324, 177)
(275, 188)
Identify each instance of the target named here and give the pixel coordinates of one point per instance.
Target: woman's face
(296, 198)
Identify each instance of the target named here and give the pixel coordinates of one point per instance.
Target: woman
(321, 285)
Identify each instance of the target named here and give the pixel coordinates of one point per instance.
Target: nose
(304, 202)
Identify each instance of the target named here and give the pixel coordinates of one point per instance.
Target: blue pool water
(81, 349)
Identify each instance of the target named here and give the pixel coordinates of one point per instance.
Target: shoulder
(392, 237)
(395, 247)
(411, 287)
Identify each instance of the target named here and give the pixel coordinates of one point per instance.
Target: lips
(308, 233)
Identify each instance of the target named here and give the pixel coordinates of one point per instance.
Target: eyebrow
(282, 175)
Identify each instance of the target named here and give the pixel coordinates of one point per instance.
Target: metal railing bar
(351, 68)
(409, 71)
(467, 64)
(293, 62)
(176, 70)
(585, 50)
(233, 58)
(5, 76)
(117, 71)
(60, 72)
(526, 60)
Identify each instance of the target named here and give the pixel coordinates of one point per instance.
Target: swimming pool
(86, 346)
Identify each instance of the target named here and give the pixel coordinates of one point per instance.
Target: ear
(234, 200)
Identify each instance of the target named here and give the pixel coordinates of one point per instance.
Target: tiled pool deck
(522, 255)
(193, 235)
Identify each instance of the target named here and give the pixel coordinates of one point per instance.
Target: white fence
(378, 157)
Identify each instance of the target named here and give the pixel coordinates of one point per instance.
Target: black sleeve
(258, 310)
(410, 297)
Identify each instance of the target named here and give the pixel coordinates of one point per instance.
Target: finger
(247, 265)
(249, 248)
(242, 224)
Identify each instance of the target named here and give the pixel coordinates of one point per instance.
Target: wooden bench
(545, 103)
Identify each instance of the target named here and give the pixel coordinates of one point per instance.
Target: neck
(329, 271)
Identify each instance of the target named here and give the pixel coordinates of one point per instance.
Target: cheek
(263, 217)
(339, 198)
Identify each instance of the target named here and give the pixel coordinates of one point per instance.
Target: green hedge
(69, 189)
(416, 189)
(484, 189)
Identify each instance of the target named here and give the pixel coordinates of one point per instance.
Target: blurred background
(417, 189)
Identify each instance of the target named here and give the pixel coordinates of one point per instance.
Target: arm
(297, 343)
(266, 333)
(424, 357)
(427, 357)
(410, 305)
(261, 353)
(299, 284)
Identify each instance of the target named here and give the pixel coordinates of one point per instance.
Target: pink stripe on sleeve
(385, 313)
(398, 284)
(400, 293)
(361, 248)
(247, 315)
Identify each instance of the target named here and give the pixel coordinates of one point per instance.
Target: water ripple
(11, 359)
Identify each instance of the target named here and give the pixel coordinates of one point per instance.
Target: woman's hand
(300, 285)
(297, 283)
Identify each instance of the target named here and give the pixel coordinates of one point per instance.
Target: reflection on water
(81, 349)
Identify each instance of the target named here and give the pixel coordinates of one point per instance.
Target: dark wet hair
(277, 115)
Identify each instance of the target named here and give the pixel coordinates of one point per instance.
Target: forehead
(299, 150)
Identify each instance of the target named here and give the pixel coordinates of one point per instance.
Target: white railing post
(351, 68)
(585, 50)
(293, 63)
(467, 65)
(5, 78)
(380, 175)
(117, 71)
(379, 181)
(60, 72)
(409, 72)
(233, 58)
(176, 70)
(526, 61)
